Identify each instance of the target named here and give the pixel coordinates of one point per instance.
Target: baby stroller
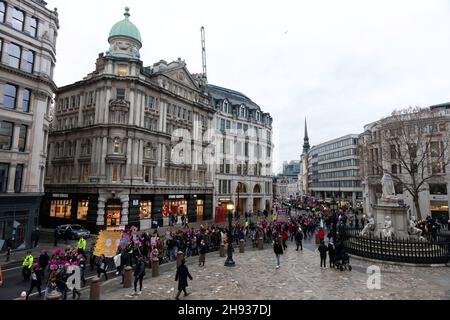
(343, 262)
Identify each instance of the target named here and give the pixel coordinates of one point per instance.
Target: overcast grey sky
(341, 64)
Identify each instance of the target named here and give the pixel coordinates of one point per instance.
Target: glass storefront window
(178, 207)
(146, 209)
(200, 210)
(83, 207)
(61, 209)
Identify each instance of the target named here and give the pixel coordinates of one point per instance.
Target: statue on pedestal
(388, 186)
(412, 229)
(388, 230)
(370, 227)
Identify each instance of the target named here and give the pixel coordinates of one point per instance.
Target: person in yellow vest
(81, 247)
(27, 264)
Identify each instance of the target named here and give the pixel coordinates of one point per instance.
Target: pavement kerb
(399, 263)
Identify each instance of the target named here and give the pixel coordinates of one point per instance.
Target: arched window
(241, 188)
(257, 189)
(116, 146)
(242, 111)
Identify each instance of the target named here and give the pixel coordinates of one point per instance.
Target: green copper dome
(125, 28)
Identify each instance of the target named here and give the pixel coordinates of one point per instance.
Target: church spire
(306, 145)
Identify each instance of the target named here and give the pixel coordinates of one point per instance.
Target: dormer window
(226, 107)
(258, 116)
(242, 111)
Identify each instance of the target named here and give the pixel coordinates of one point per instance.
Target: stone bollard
(241, 246)
(260, 244)
(155, 268)
(54, 295)
(95, 289)
(180, 257)
(128, 277)
(222, 251)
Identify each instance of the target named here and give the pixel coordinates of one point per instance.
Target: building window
(1, 49)
(120, 94)
(438, 189)
(85, 172)
(200, 210)
(6, 135)
(17, 19)
(2, 11)
(61, 209)
(145, 210)
(33, 27)
(83, 208)
(4, 169)
(30, 62)
(18, 179)
(116, 146)
(122, 71)
(10, 96)
(14, 55)
(115, 172)
(22, 138)
(26, 100)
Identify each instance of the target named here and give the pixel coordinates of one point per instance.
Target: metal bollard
(155, 268)
(54, 295)
(128, 277)
(95, 289)
(260, 244)
(222, 251)
(241, 246)
(180, 257)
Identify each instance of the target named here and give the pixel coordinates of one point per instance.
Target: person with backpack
(299, 239)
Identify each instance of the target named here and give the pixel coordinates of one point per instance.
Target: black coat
(181, 277)
(43, 260)
(299, 236)
(323, 250)
(277, 248)
(139, 269)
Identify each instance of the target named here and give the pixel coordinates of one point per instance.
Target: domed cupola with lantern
(124, 39)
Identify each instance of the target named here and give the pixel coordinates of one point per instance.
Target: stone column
(125, 199)
(15, 139)
(131, 112)
(80, 109)
(101, 210)
(142, 111)
(129, 165)
(11, 177)
(104, 153)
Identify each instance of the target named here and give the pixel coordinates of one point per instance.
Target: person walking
(299, 239)
(55, 237)
(139, 273)
(92, 258)
(81, 247)
(331, 253)
(202, 256)
(43, 261)
(323, 254)
(8, 252)
(284, 238)
(27, 265)
(36, 280)
(66, 236)
(102, 266)
(278, 250)
(35, 237)
(181, 276)
(82, 266)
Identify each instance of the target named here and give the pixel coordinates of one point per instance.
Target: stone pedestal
(155, 268)
(241, 246)
(398, 214)
(222, 251)
(128, 277)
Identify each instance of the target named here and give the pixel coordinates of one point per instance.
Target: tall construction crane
(204, 52)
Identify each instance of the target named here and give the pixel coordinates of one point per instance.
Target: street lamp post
(229, 262)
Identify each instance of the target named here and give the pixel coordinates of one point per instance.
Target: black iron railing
(433, 251)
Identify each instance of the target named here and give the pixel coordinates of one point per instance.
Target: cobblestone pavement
(300, 278)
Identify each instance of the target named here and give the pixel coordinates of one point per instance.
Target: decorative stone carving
(125, 201)
(412, 230)
(101, 211)
(369, 228)
(388, 231)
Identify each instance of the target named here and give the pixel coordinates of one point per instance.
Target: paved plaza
(300, 278)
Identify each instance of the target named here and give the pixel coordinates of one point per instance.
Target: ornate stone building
(243, 155)
(127, 142)
(28, 32)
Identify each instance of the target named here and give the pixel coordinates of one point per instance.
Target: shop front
(221, 210)
(68, 208)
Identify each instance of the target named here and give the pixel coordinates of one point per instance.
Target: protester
(102, 266)
(182, 276)
(323, 254)
(139, 273)
(278, 250)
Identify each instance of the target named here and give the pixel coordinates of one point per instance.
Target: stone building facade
(128, 142)
(28, 32)
(376, 156)
(243, 153)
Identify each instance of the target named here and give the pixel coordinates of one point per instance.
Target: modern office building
(243, 156)
(127, 142)
(28, 32)
(334, 173)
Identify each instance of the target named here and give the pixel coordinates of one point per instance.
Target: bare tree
(414, 149)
